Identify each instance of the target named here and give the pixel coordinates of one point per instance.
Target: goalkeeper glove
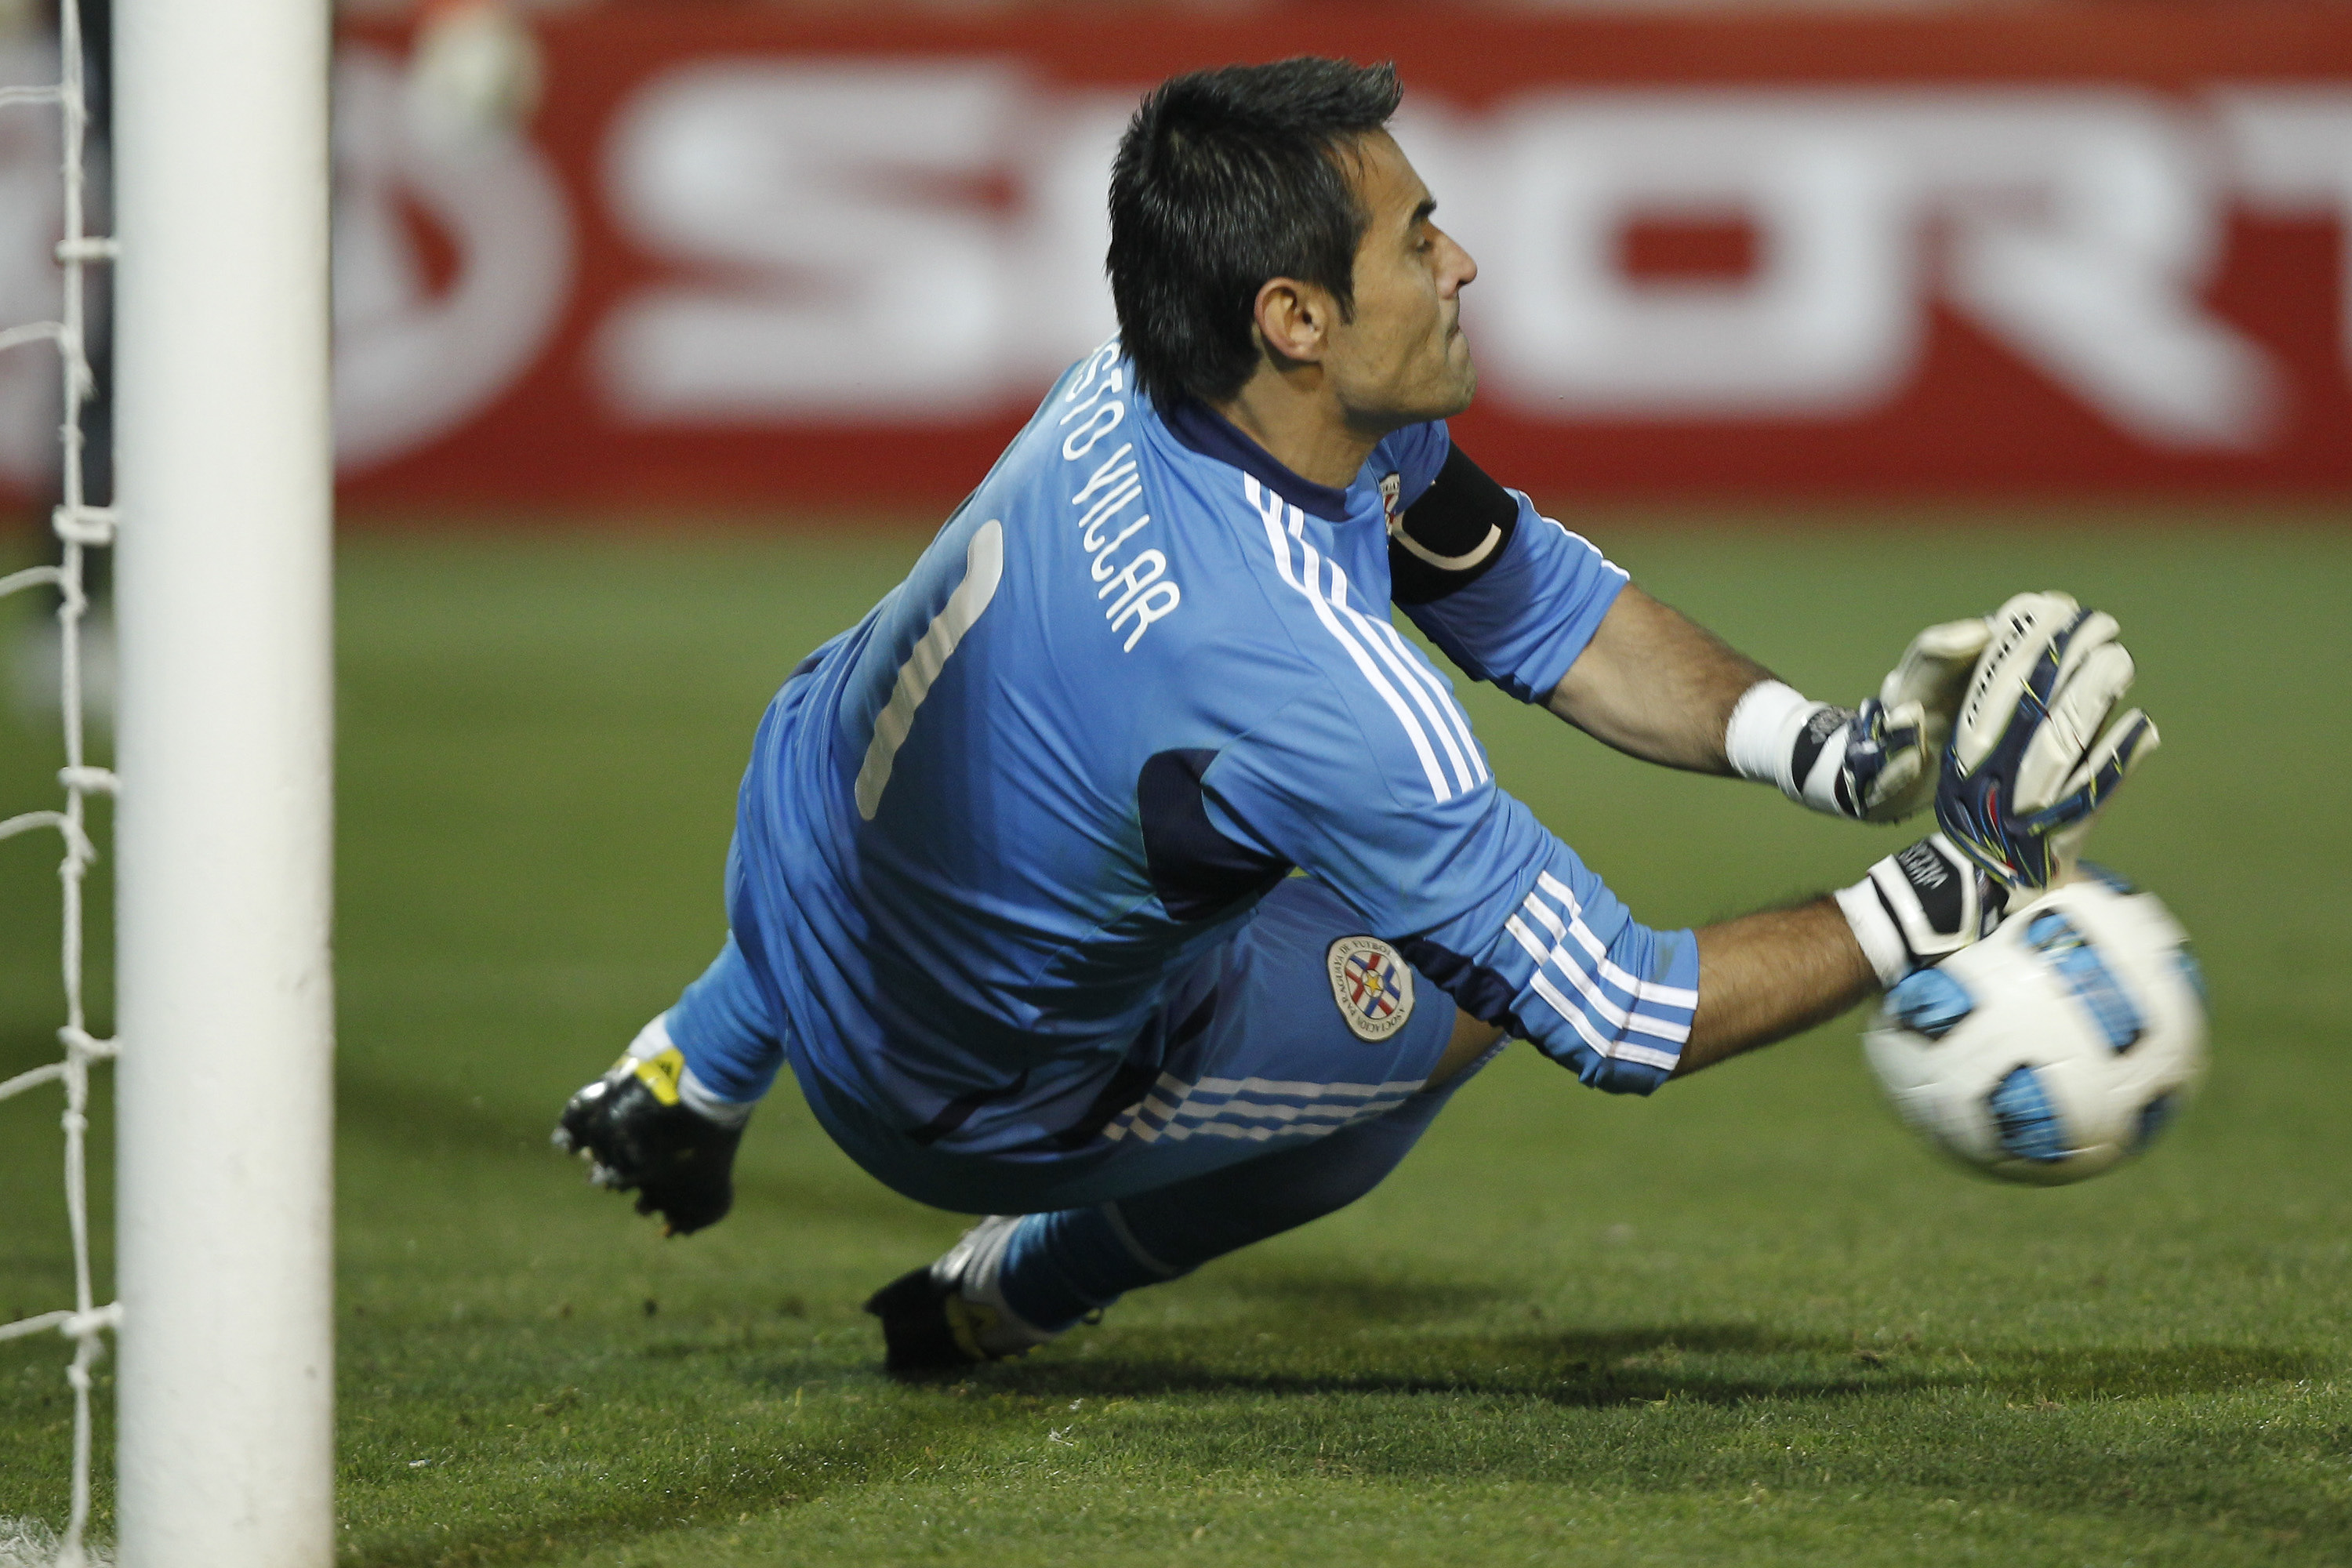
(1872, 762)
(2034, 756)
(638, 1132)
(1920, 906)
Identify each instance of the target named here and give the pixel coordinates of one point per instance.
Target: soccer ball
(2056, 1046)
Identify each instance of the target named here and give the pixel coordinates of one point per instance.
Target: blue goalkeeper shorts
(1298, 1026)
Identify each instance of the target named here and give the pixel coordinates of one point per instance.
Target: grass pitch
(1747, 1322)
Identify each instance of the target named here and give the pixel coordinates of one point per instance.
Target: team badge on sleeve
(1371, 984)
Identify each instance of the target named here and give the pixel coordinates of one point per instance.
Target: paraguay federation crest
(1371, 984)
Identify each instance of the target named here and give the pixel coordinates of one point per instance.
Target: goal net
(222, 774)
(79, 528)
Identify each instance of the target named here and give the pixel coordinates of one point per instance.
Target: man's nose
(1463, 270)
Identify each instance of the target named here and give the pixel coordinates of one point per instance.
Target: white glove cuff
(703, 1100)
(1874, 930)
(1773, 726)
(1760, 742)
(692, 1092)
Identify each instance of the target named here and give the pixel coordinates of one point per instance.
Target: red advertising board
(745, 256)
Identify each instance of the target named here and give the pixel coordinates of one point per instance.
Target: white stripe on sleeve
(1615, 1050)
(1619, 1018)
(1642, 990)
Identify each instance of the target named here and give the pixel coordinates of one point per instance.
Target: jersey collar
(1212, 435)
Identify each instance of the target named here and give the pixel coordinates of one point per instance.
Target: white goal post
(226, 1440)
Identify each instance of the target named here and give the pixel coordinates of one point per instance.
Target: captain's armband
(1451, 534)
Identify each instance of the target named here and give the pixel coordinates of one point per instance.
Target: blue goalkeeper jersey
(1144, 673)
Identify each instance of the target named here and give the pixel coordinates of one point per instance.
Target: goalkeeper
(1126, 878)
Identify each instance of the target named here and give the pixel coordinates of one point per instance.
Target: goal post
(224, 763)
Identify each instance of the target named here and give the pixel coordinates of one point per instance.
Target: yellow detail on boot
(660, 1073)
(960, 1315)
(970, 1322)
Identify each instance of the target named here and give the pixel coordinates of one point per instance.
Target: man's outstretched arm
(1516, 599)
(1761, 978)
(1768, 975)
(1657, 685)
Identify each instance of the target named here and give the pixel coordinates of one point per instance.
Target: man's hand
(1764, 976)
(1921, 697)
(1920, 906)
(2033, 755)
(638, 1136)
(1874, 762)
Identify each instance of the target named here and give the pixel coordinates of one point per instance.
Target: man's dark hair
(1226, 178)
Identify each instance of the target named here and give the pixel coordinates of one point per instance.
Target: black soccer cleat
(951, 1316)
(918, 1338)
(639, 1137)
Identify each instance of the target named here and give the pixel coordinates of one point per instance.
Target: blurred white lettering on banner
(1827, 325)
(2292, 149)
(838, 252)
(839, 258)
(882, 241)
(2076, 227)
(2084, 229)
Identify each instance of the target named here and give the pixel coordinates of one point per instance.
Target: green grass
(1747, 1322)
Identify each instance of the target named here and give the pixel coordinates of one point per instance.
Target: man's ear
(1293, 319)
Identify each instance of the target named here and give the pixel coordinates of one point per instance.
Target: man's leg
(1292, 1073)
(1059, 1267)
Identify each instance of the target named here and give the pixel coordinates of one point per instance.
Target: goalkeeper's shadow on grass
(1599, 1369)
(1719, 1365)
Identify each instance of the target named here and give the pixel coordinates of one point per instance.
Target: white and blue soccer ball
(2055, 1046)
